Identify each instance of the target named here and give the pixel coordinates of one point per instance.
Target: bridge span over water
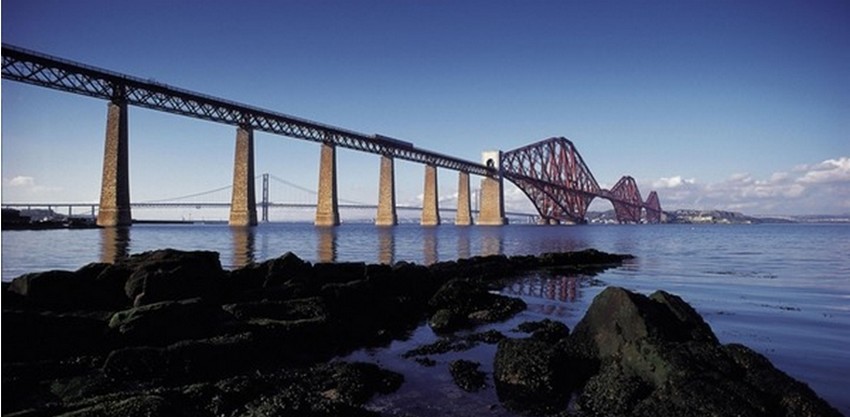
(551, 172)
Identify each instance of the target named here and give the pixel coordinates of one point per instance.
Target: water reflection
(463, 247)
(114, 244)
(558, 288)
(429, 245)
(327, 244)
(386, 245)
(243, 245)
(491, 241)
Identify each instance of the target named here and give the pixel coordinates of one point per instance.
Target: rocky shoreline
(172, 333)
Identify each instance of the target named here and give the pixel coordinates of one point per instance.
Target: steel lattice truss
(626, 199)
(554, 176)
(46, 71)
(653, 208)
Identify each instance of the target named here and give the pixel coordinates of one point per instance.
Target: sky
(729, 105)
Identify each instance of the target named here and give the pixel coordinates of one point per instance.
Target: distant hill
(688, 216)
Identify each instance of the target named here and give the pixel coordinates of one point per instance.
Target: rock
(141, 405)
(445, 321)
(546, 330)
(612, 392)
(466, 375)
(531, 375)
(357, 382)
(46, 288)
(32, 336)
(297, 309)
(85, 289)
(188, 360)
(167, 322)
(137, 362)
(588, 258)
(339, 272)
(462, 303)
(337, 389)
(657, 357)
(172, 275)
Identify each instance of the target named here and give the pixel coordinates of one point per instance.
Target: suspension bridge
(551, 173)
(292, 196)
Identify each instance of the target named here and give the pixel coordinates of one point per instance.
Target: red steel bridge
(551, 173)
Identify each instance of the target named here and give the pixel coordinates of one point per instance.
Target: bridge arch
(553, 175)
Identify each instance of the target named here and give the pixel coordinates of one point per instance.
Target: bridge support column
(386, 193)
(327, 208)
(115, 183)
(464, 210)
(430, 201)
(492, 210)
(243, 203)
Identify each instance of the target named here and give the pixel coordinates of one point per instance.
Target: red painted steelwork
(560, 185)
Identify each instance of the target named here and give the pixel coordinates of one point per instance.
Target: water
(783, 290)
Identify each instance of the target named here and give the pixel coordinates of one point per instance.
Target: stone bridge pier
(114, 207)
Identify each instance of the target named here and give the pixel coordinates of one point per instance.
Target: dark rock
(590, 258)
(530, 375)
(284, 268)
(356, 383)
(298, 309)
(36, 336)
(337, 389)
(465, 303)
(189, 360)
(445, 321)
(546, 330)
(168, 321)
(491, 336)
(138, 362)
(141, 405)
(659, 358)
(439, 347)
(612, 392)
(172, 275)
(466, 375)
(340, 272)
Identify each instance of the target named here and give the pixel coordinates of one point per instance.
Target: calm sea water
(783, 290)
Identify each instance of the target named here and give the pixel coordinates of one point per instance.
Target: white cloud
(831, 170)
(22, 181)
(673, 182)
(804, 189)
(23, 187)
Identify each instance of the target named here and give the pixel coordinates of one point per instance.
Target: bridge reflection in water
(319, 244)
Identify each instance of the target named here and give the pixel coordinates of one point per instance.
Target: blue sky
(740, 105)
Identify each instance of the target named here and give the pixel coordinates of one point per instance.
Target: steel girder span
(553, 175)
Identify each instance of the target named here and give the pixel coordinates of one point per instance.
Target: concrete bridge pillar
(430, 201)
(115, 182)
(492, 210)
(464, 210)
(243, 203)
(386, 194)
(327, 208)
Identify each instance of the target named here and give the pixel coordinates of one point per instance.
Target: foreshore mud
(171, 333)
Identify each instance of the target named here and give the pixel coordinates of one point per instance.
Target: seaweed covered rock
(461, 303)
(531, 375)
(466, 375)
(657, 357)
(172, 275)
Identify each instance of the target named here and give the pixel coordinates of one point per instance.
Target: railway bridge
(551, 173)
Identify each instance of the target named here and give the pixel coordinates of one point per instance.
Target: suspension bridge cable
(285, 182)
(183, 197)
(313, 192)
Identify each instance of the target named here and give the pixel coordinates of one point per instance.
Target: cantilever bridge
(551, 173)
